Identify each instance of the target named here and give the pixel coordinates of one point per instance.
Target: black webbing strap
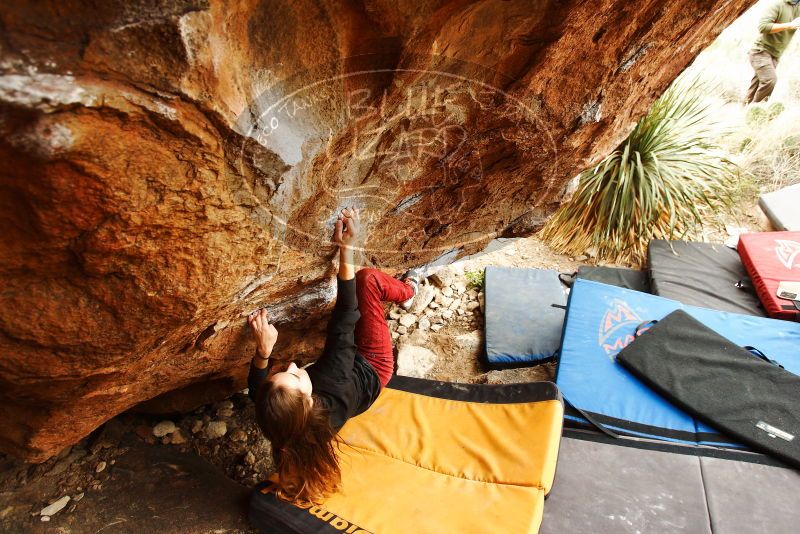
(597, 424)
(745, 284)
(758, 354)
(568, 279)
(644, 327)
(601, 427)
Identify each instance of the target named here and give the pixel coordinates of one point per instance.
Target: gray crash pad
(782, 207)
(702, 274)
(603, 488)
(751, 498)
(608, 486)
(524, 315)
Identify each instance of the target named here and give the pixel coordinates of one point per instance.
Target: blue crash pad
(602, 319)
(522, 325)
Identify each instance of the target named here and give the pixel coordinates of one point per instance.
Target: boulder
(163, 428)
(470, 342)
(177, 437)
(216, 429)
(413, 360)
(418, 337)
(55, 507)
(408, 320)
(442, 278)
(443, 300)
(169, 167)
(423, 298)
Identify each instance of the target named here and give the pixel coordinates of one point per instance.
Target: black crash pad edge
(483, 393)
(631, 428)
(520, 364)
(272, 515)
(674, 448)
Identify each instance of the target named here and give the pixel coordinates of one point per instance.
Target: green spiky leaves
(660, 183)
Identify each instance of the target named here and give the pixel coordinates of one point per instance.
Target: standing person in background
(777, 27)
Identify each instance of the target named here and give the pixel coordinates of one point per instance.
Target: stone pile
(224, 432)
(442, 299)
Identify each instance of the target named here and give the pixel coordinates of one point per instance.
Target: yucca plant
(658, 184)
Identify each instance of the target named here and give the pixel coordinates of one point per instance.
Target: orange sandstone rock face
(170, 166)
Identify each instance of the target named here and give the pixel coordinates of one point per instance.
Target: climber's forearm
(347, 270)
(261, 360)
(258, 373)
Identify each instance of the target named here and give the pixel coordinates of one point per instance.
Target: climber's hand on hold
(265, 333)
(345, 233)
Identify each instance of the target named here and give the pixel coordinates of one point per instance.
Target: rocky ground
(440, 337)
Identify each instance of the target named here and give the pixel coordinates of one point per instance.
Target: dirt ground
(223, 436)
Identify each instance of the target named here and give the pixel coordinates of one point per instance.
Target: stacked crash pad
(701, 274)
(665, 471)
(433, 456)
(601, 320)
(524, 312)
(771, 258)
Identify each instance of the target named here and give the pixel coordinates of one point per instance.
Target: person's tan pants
(765, 76)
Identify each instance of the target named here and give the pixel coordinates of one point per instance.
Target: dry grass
(767, 149)
(762, 139)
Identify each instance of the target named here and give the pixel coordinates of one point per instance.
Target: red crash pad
(771, 258)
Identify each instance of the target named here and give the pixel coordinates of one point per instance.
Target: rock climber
(299, 411)
(777, 27)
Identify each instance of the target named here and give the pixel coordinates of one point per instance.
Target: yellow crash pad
(437, 457)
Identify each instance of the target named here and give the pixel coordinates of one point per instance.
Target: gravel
(216, 429)
(55, 507)
(163, 428)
